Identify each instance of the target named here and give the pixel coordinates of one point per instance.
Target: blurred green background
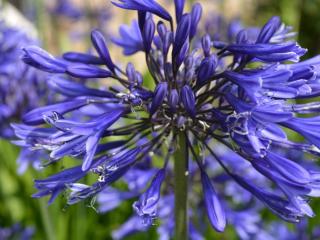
(81, 221)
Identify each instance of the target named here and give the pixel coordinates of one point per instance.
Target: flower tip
(220, 226)
(215, 210)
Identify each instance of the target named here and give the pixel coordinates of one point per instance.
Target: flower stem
(181, 187)
(48, 227)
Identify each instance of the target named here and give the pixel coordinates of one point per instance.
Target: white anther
(204, 125)
(101, 178)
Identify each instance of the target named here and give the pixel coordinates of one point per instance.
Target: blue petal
(148, 33)
(288, 169)
(87, 71)
(74, 89)
(110, 145)
(188, 100)
(82, 58)
(86, 128)
(268, 30)
(133, 224)
(262, 49)
(206, 69)
(97, 186)
(124, 160)
(58, 182)
(270, 114)
(206, 45)
(145, 6)
(159, 94)
(35, 116)
(70, 148)
(130, 38)
(280, 91)
(276, 76)
(182, 54)
(91, 147)
(215, 211)
(196, 13)
(110, 198)
(179, 6)
(147, 204)
(279, 57)
(173, 99)
(251, 84)
(167, 42)
(100, 45)
(275, 203)
(182, 33)
(307, 127)
(39, 58)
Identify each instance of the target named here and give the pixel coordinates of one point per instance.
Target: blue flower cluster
(71, 11)
(16, 231)
(22, 88)
(233, 97)
(20, 85)
(67, 9)
(241, 209)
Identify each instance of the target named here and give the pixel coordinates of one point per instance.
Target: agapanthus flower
(242, 210)
(80, 14)
(22, 88)
(20, 85)
(16, 231)
(130, 38)
(67, 9)
(227, 101)
(275, 229)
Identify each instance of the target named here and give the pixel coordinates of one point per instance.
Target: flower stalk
(48, 227)
(181, 187)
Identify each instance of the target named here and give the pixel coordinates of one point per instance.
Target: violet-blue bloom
(130, 38)
(144, 6)
(179, 4)
(215, 211)
(67, 9)
(22, 88)
(110, 198)
(234, 115)
(146, 207)
(16, 231)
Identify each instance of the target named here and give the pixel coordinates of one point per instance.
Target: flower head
(16, 231)
(67, 9)
(22, 88)
(232, 98)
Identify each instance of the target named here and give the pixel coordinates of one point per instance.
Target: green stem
(48, 227)
(181, 187)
